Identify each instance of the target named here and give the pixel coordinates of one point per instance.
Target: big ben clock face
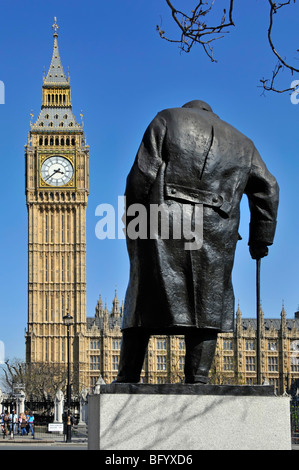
(57, 171)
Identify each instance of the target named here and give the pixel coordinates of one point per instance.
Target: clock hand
(55, 171)
(50, 176)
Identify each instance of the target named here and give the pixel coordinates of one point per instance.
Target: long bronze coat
(190, 156)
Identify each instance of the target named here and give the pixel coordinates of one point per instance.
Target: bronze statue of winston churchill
(189, 157)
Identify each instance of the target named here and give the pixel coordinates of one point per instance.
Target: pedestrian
(31, 422)
(2, 425)
(19, 423)
(27, 416)
(13, 421)
(6, 423)
(23, 425)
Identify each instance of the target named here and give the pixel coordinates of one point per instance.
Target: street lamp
(68, 320)
(11, 410)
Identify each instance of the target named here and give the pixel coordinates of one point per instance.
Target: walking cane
(258, 326)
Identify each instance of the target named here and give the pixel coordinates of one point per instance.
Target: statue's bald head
(198, 104)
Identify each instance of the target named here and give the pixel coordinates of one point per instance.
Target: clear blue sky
(122, 74)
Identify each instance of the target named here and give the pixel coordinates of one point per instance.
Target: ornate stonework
(235, 358)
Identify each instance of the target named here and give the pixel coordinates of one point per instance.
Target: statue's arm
(147, 162)
(263, 194)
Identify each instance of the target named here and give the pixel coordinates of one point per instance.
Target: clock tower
(56, 160)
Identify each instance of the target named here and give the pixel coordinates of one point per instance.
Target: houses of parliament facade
(234, 361)
(57, 188)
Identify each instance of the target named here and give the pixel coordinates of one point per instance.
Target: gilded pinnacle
(55, 27)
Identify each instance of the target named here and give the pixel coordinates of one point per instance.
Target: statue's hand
(258, 251)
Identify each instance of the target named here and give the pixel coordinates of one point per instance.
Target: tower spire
(56, 74)
(99, 308)
(115, 308)
(56, 112)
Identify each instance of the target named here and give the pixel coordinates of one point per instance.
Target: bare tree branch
(269, 84)
(194, 29)
(39, 379)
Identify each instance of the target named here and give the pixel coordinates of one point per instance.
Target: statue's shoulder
(183, 117)
(229, 131)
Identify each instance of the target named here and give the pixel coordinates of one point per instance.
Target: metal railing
(295, 421)
(43, 431)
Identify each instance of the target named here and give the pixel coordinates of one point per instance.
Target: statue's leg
(200, 350)
(132, 353)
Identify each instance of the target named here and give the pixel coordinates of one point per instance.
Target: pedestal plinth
(188, 417)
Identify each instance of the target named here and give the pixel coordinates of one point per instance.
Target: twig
(274, 7)
(195, 30)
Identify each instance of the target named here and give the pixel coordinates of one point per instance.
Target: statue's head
(198, 104)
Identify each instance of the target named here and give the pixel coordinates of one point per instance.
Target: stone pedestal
(188, 417)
